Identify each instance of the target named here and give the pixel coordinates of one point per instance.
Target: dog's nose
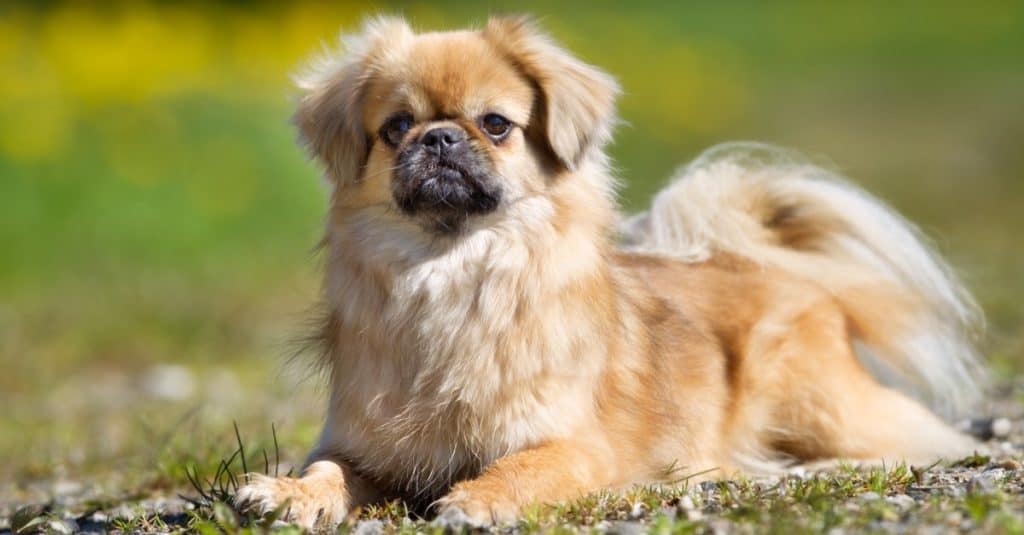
(442, 139)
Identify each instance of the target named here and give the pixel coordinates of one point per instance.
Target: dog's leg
(553, 472)
(884, 425)
(827, 405)
(327, 490)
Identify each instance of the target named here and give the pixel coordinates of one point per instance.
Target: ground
(983, 492)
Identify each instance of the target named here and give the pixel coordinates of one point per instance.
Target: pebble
(369, 527)
(1001, 427)
(627, 528)
(169, 381)
(985, 482)
(986, 428)
(869, 497)
(65, 487)
(62, 526)
(902, 501)
(125, 510)
(26, 515)
(721, 526)
(1009, 464)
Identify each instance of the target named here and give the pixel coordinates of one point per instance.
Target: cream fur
(725, 200)
(525, 358)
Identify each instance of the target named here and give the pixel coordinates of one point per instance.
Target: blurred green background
(157, 218)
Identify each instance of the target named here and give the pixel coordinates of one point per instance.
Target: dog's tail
(913, 321)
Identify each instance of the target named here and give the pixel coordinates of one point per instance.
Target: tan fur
(526, 359)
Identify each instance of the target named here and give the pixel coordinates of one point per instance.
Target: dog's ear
(577, 105)
(330, 113)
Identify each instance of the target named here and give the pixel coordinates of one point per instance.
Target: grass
(156, 217)
(847, 498)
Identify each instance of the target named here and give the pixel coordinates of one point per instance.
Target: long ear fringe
(329, 113)
(578, 99)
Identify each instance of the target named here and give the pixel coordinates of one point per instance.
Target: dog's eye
(394, 129)
(495, 125)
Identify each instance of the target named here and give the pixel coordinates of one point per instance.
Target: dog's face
(447, 131)
(442, 128)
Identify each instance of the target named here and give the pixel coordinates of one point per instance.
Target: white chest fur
(445, 362)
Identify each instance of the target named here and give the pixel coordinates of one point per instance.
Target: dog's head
(445, 127)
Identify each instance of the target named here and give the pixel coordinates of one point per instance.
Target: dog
(496, 335)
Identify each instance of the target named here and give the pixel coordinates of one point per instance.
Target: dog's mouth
(444, 193)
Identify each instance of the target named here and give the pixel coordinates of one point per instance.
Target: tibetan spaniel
(497, 335)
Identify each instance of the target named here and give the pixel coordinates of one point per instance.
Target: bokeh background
(157, 219)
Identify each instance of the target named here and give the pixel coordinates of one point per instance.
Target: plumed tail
(913, 321)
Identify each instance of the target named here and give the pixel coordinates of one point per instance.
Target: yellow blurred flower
(129, 53)
(35, 116)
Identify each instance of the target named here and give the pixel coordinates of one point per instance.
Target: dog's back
(911, 319)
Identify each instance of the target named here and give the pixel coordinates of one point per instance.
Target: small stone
(1001, 427)
(169, 381)
(369, 527)
(627, 528)
(980, 428)
(123, 510)
(901, 500)
(985, 482)
(686, 502)
(1009, 464)
(62, 526)
(27, 517)
(65, 487)
(721, 526)
(869, 497)
(639, 511)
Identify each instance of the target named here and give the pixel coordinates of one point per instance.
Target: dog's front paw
(308, 502)
(465, 508)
